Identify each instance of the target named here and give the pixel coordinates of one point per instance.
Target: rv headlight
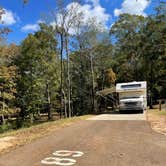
(121, 103)
(139, 103)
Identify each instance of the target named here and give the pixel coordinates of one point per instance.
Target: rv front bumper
(131, 108)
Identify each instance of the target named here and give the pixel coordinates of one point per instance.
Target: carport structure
(107, 99)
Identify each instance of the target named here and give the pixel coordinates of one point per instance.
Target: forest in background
(59, 68)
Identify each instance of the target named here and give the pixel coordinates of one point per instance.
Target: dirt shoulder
(158, 120)
(13, 139)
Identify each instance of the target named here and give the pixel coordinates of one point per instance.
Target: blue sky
(23, 19)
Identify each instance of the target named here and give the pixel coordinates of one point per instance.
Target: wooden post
(159, 105)
(2, 119)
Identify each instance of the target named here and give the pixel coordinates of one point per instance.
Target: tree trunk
(151, 84)
(61, 80)
(92, 76)
(2, 119)
(103, 79)
(65, 109)
(48, 101)
(81, 78)
(68, 77)
(31, 118)
(3, 108)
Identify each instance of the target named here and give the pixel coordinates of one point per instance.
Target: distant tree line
(54, 70)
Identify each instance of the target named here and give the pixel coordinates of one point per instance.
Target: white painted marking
(66, 153)
(62, 161)
(77, 154)
(58, 161)
(49, 161)
(63, 153)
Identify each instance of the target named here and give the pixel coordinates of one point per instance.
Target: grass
(26, 135)
(161, 112)
(158, 120)
(157, 112)
(47, 126)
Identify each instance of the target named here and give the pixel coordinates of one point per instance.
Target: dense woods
(60, 67)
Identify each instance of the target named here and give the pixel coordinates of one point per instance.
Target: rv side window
(131, 86)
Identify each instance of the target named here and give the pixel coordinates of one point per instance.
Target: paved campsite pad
(104, 143)
(141, 116)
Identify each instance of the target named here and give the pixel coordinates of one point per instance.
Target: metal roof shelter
(106, 91)
(109, 97)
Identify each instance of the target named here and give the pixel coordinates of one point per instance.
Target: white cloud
(94, 2)
(30, 27)
(94, 12)
(90, 11)
(8, 18)
(136, 7)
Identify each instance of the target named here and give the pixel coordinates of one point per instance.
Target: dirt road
(99, 142)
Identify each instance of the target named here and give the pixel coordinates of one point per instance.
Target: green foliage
(34, 77)
(3, 30)
(5, 127)
(103, 62)
(140, 50)
(82, 94)
(38, 67)
(127, 31)
(8, 75)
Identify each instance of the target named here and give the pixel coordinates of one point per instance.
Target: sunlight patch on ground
(119, 117)
(6, 142)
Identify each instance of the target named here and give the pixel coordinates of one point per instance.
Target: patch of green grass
(156, 111)
(162, 113)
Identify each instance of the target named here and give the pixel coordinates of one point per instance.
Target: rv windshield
(131, 97)
(131, 86)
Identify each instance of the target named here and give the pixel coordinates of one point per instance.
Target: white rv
(132, 96)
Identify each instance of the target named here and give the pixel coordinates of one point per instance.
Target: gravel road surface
(99, 142)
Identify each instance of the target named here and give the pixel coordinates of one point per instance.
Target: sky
(23, 19)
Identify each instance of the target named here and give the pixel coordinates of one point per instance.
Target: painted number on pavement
(60, 158)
